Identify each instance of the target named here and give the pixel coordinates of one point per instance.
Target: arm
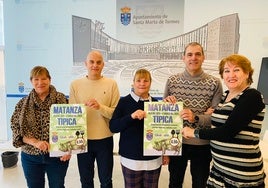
(105, 104)
(126, 115)
(41, 145)
(107, 110)
(166, 90)
(72, 99)
(246, 109)
(15, 126)
(217, 95)
(120, 120)
(19, 138)
(205, 119)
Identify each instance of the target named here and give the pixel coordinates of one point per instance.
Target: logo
(54, 137)
(125, 15)
(21, 87)
(149, 135)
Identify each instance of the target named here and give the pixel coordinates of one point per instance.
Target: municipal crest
(21, 87)
(125, 15)
(55, 137)
(149, 135)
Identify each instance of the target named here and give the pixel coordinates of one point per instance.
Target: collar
(137, 98)
(188, 75)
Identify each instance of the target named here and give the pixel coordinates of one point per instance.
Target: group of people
(220, 134)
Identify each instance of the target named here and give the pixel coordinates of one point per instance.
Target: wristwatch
(196, 119)
(196, 133)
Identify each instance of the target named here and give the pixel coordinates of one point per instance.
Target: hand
(42, 145)
(165, 160)
(138, 114)
(66, 157)
(187, 132)
(209, 111)
(171, 99)
(92, 103)
(187, 114)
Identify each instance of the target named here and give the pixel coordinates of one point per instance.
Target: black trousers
(199, 157)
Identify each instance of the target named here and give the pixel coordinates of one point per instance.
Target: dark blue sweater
(131, 130)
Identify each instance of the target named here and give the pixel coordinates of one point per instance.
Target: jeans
(200, 158)
(102, 151)
(35, 167)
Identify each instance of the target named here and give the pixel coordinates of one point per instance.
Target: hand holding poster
(162, 127)
(68, 129)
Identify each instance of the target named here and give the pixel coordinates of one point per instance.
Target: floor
(13, 177)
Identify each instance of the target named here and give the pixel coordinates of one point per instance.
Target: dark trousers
(35, 167)
(102, 152)
(199, 157)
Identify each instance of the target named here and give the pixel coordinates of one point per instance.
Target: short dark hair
(193, 44)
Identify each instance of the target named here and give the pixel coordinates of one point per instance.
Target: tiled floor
(13, 177)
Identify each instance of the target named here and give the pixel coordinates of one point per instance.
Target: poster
(162, 127)
(68, 129)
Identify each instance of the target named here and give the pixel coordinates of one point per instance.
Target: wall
(39, 32)
(3, 122)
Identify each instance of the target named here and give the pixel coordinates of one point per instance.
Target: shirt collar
(137, 98)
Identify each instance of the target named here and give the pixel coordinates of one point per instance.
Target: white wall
(3, 113)
(3, 122)
(253, 39)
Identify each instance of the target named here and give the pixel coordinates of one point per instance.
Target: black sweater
(131, 130)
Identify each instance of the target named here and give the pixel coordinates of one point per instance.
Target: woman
(128, 119)
(30, 127)
(236, 126)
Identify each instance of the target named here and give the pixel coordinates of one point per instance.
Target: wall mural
(220, 37)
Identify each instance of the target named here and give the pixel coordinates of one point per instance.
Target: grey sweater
(197, 93)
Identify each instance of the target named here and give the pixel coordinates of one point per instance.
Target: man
(200, 93)
(100, 95)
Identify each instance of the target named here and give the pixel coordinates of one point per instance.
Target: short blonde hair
(142, 73)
